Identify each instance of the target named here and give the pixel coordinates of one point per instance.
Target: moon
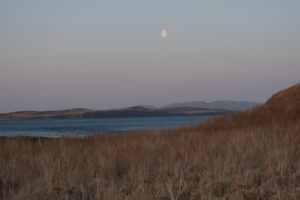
(164, 33)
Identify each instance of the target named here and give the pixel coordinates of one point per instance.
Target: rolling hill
(135, 111)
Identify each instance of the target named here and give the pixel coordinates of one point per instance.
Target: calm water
(80, 127)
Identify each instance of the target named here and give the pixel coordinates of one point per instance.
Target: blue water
(82, 127)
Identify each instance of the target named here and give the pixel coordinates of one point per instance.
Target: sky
(103, 54)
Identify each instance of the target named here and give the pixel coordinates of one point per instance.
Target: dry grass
(241, 156)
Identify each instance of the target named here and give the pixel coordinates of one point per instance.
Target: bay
(83, 127)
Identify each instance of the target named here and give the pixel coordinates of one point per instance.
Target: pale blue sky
(108, 54)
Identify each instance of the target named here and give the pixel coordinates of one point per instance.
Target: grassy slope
(246, 155)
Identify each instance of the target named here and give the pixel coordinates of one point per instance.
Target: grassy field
(246, 155)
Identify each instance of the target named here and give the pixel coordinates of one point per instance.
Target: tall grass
(257, 163)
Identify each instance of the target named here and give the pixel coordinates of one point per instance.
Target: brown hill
(285, 104)
(282, 107)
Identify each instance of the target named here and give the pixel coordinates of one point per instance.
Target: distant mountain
(135, 111)
(176, 109)
(150, 107)
(225, 105)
